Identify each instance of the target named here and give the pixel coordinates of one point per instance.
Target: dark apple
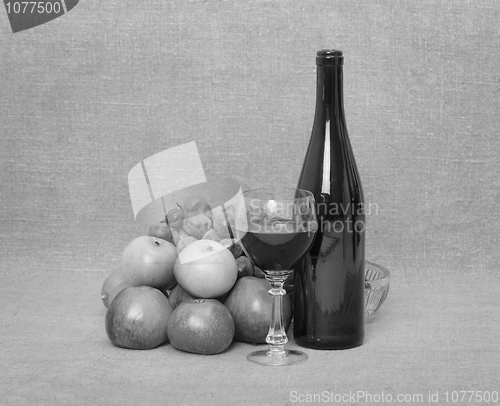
(201, 326)
(250, 304)
(113, 285)
(258, 273)
(137, 318)
(161, 230)
(245, 267)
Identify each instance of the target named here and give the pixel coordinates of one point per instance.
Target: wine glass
(276, 227)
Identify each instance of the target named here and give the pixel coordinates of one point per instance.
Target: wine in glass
(276, 227)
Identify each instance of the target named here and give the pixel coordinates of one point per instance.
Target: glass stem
(276, 337)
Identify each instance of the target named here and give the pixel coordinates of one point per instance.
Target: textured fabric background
(87, 96)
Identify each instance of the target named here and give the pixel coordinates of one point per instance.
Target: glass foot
(264, 357)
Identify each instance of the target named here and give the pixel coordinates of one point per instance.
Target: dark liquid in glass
(276, 251)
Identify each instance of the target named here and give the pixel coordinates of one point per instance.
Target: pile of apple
(188, 282)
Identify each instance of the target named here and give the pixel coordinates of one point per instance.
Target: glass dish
(377, 279)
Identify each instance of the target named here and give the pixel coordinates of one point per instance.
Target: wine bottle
(329, 281)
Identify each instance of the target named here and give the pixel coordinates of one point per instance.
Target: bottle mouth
(330, 57)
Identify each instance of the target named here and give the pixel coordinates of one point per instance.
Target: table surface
(430, 337)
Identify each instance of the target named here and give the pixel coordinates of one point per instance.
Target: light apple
(206, 269)
(149, 261)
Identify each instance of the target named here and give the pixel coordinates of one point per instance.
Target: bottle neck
(330, 118)
(329, 92)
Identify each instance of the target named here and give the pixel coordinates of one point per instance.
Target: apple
(258, 273)
(178, 295)
(137, 318)
(250, 304)
(113, 285)
(245, 267)
(149, 261)
(161, 230)
(206, 269)
(201, 326)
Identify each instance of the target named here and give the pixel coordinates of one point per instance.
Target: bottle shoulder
(329, 163)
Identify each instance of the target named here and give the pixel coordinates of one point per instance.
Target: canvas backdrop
(89, 95)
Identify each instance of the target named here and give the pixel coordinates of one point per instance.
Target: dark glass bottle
(329, 281)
